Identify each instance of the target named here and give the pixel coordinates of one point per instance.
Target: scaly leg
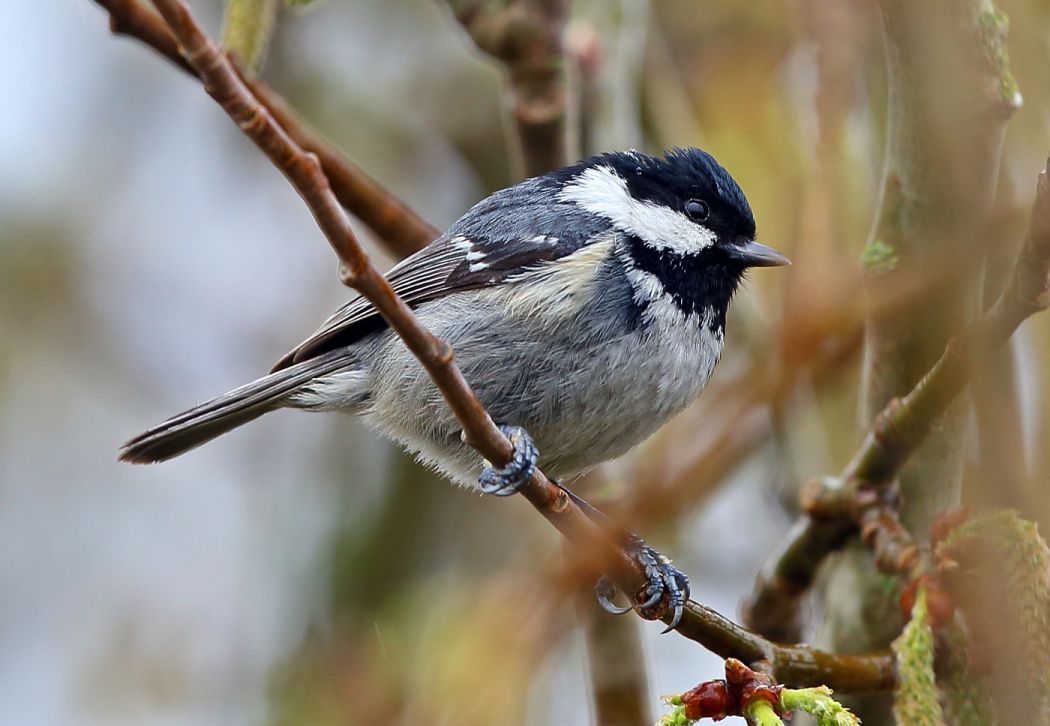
(508, 480)
(663, 579)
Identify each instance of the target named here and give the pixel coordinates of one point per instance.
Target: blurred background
(301, 570)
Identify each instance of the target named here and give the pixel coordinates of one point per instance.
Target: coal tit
(586, 306)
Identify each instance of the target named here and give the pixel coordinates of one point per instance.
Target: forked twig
(392, 221)
(901, 427)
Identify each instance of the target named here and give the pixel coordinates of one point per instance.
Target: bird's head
(687, 221)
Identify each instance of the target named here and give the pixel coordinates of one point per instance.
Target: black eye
(697, 210)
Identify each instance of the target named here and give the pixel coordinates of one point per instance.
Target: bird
(586, 307)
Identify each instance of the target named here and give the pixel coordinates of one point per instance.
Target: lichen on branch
(901, 427)
(997, 567)
(916, 700)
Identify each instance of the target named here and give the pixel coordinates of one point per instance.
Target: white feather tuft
(602, 191)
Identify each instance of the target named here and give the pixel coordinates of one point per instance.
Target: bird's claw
(662, 580)
(605, 590)
(508, 480)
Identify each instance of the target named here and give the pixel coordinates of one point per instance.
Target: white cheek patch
(600, 190)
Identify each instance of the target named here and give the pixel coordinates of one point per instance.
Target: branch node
(348, 276)
(443, 353)
(827, 496)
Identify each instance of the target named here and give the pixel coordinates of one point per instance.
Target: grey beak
(753, 254)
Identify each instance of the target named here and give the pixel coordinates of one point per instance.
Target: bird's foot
(663, 581)
(508, 480)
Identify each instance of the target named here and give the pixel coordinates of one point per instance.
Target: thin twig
(904, 423)
(392, 221)
(389, 218)
(797, 665)
(792, 665)
(135, 20)
(525, 36)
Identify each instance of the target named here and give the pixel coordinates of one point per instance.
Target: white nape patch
(602, 191)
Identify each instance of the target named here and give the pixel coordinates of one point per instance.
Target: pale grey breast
(587, 365)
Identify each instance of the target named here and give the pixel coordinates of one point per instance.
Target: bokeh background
(301, 570)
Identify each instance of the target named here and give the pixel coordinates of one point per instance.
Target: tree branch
(135, 20)
(392, 221)
(304, 171)
(901, 427)
(793, 665)
(526, 37)
(943, 143)
(796, 665)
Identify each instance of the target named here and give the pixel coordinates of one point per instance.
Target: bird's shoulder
(501, 238)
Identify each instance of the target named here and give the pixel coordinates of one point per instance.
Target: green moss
(993, 25)
(760, 713)
(817, 702)
(1009, 91)
(916, 700)
(966, 700)
(1001, 550)
(879, 257)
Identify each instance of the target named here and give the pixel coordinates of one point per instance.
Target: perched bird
(586, 307)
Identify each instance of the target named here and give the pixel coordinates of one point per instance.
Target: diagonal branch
(303, 170)
(901, 427)
(392, 221)
(796, 665)
(793, 665)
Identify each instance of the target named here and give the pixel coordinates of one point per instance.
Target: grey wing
(413, 279)
(488, 246)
